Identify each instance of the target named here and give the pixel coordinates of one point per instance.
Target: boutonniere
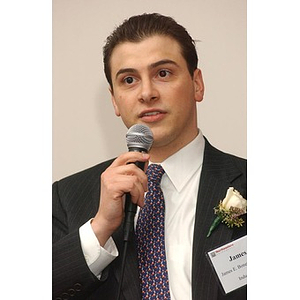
(229, 210)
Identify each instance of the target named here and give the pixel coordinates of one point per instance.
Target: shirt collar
(182, 165)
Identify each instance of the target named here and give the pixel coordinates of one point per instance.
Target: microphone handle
(130, 211)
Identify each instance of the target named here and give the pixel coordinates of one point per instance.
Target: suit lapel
(218, 174)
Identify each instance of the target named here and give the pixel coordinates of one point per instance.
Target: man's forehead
(151, 49)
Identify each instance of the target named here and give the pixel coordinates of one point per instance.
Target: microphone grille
(139, 136)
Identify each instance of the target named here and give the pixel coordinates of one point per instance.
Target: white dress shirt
(180, 185)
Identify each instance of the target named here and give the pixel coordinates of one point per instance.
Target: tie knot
(155, 173)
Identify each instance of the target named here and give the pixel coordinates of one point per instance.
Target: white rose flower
(234, 199)
(229, 210)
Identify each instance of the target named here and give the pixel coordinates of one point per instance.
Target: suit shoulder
(240, 162)
(88, 174)
(222, 158)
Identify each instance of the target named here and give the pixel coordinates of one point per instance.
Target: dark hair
(137, 28)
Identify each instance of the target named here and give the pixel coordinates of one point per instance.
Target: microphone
(138, 138)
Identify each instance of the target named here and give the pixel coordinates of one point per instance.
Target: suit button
(71, 292)
(65, 296)
(77, 287)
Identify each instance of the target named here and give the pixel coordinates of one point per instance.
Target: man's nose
(148, 91)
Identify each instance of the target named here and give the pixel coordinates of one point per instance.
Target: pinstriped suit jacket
(76, 200)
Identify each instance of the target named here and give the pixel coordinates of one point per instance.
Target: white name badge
(230, 264)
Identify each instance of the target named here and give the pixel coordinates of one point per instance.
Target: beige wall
(85, 129)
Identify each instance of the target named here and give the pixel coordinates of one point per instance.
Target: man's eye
(163, 73)
(128, 80)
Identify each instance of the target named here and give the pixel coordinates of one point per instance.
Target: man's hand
(121, 177)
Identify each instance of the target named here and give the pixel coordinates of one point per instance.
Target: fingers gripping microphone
(138, 138)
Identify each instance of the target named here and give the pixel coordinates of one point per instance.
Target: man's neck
(160, 154)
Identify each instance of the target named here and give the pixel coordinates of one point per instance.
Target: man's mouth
(152, 116)
(151, 113)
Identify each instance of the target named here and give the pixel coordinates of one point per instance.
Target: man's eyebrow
(126, 70)
(163, 62)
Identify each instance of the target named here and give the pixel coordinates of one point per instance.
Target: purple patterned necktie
(150, 232)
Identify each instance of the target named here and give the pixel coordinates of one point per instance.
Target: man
(150, 63)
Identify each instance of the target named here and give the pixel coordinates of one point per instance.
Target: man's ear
(113, 100)
(199, 85)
